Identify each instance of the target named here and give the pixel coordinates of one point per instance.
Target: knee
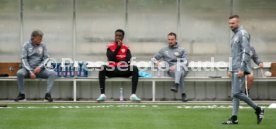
(52, 74)
(236, 95)
(184, 73)
(20, 73)
(250, 77)
(103, 68)
(135, 68)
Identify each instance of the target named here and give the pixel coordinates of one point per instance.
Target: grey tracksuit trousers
(179, 76)
(22, 73)
(238, 94)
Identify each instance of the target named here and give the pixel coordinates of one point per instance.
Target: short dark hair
(172, 34)
(234, 16)
(37, 33)
(120, 30)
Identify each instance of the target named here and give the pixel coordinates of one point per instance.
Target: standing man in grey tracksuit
(240, 53)
(34, 56)
(177, 59)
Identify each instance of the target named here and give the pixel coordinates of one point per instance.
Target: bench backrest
(273, 69)
(9, 68)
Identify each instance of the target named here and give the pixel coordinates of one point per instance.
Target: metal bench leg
(153, 91)
(74, 90)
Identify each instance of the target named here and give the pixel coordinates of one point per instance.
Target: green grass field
(118, 116)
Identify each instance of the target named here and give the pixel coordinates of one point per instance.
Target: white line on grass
(126, 106)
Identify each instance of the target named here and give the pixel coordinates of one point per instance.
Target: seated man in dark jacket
(118, 55)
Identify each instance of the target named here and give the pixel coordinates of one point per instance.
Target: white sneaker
(101, 98)
(133, 97)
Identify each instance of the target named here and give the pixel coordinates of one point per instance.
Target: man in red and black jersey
(118, 56)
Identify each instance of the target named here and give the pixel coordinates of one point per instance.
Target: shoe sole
(45, 100)
(100, 101)
(3, 105)
(174, 90)
(230, 123)
(136, 101)
(23, 100)
(184, 100)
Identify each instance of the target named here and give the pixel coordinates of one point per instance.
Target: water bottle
(80, 70)
(65, 70)
(121, 94)
(59, 70)
(76, 68)
(62, 70)
(158, 72)
(85, 71)
(72, 70)
(55, 67)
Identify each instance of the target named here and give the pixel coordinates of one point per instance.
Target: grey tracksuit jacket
(171, 55)
(34, 56)
(240, 51)
(175, 56)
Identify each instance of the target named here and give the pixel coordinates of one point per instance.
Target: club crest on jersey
(39, 50)
(236, 39)
(30, 49)
(251, 53)
(166, 52)
(123, 50)
(176, 53)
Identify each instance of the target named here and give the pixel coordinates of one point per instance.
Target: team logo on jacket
(176, 54)
(236, 39)
(30, 49)
(251, 53)
(39, 50)
(166, 53)
(123, 50)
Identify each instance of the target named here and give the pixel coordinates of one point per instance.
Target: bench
(192, 77)
(153, 81)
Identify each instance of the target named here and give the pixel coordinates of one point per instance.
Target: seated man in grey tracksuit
(177, 59)
(34, 56)
(250, 77)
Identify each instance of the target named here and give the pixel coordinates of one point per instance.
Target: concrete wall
(80, 29)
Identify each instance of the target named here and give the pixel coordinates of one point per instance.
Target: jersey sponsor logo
(121, 56)
(123, 50)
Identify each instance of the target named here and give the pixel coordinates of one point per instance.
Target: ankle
(234, 118)
(258, 109)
